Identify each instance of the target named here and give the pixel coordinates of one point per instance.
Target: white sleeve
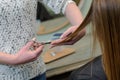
(57, 6)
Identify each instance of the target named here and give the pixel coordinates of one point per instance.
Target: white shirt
(17, 27)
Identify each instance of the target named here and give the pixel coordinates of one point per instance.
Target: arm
(6, 58)
(67, 7)
(74, 15)
(24, 55)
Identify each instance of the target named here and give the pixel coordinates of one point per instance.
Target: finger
(76, 38)
(39, 49)
(51, 46)
(66, 33)
(36, 44)
(57, 41)
(28, 45)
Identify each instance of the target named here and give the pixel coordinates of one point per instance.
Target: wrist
(15, 59)
(12, 59)
(6, 58)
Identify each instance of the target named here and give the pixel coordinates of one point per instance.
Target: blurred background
(59, 67)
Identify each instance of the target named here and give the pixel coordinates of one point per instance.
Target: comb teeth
(45, 42)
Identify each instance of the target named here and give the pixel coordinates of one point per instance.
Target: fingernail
(61, 37)
(34, 39)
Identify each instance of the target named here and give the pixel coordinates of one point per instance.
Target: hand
(65, 35)
(26, 54)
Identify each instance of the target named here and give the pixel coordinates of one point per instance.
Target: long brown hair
(105, 17)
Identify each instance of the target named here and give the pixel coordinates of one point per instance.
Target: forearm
(73, 14)
(6, 58)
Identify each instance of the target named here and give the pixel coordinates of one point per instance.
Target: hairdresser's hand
(26, 54)
(65, 35)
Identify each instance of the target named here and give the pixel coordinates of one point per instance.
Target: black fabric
(91, 71)
(42, 12)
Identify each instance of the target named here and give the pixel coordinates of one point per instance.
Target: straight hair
(105, 18)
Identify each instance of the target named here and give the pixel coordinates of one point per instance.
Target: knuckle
(34, 55)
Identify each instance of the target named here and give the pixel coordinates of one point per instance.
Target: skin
(75, 18)
(25, 55)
